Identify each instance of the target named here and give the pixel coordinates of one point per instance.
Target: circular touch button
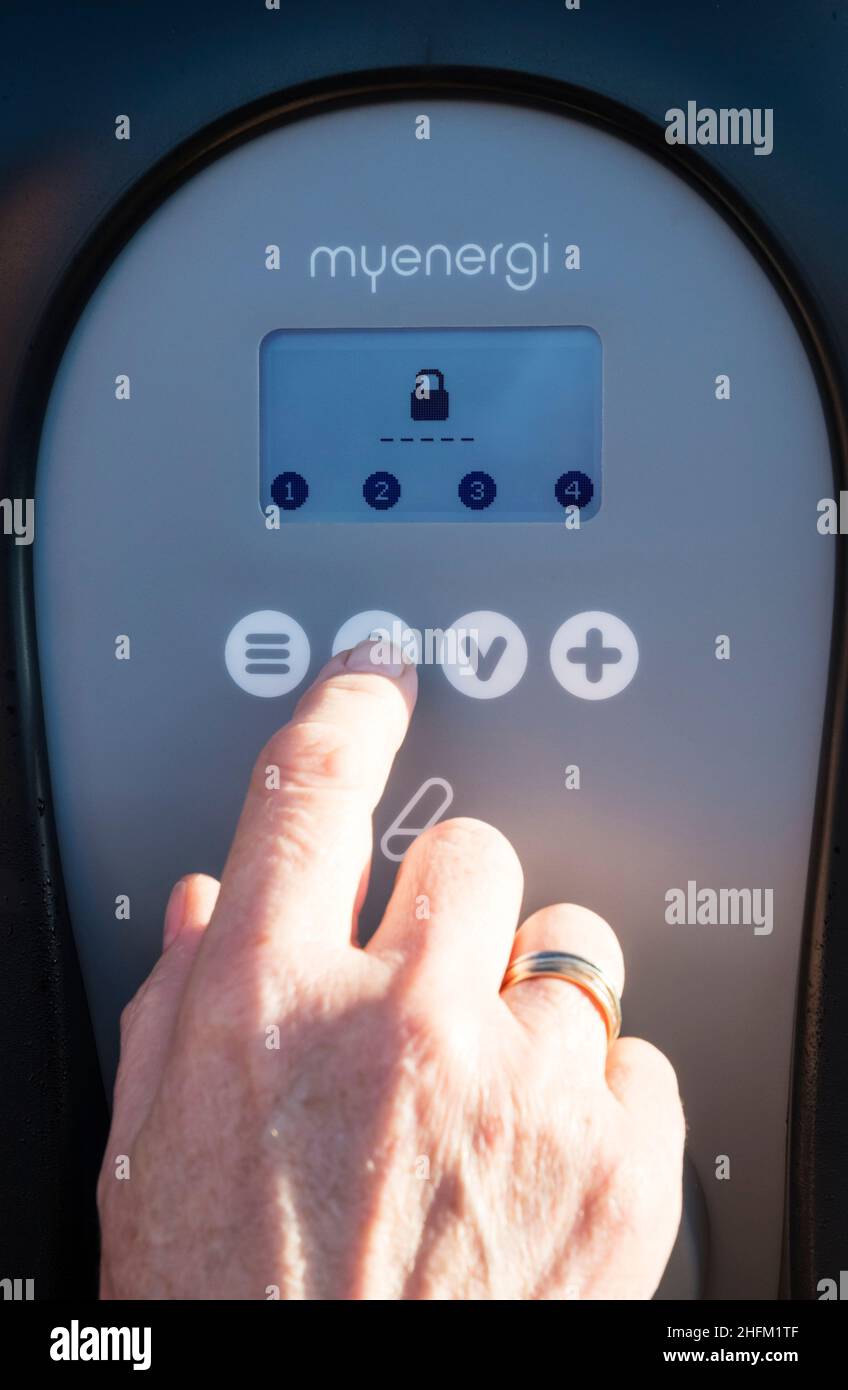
(485, 654)
(267, 653)
(594, 655)
(377, 624)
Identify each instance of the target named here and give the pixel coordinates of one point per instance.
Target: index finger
(303, 840)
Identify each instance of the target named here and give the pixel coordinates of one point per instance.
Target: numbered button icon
(574, 489)
(477, 491)
(381, 491)
(289, 491)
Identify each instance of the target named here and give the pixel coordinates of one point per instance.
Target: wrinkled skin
(307, 1119)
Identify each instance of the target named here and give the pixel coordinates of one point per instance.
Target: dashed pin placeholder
(267, 653)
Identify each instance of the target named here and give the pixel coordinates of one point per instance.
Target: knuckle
(311, 754)
(655, 1063)
(473, 841)
(635, 1193)
(442, 1046)
(105, 1185)
(145, 999)
(637, 1189)
(129, 1015)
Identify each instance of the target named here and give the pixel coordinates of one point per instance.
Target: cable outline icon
(408, 832)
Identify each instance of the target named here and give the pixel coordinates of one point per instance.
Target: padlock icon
(428, 402)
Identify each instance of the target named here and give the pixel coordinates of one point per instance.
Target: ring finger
(556, 1008)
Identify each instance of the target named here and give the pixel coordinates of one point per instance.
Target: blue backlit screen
(432, 425)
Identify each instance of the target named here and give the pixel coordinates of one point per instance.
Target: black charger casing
(198, 78)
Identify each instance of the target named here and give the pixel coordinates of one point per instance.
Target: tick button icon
(484, 654)
(267, 653)
(594, 655)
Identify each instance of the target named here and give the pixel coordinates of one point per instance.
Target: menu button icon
(267, 653)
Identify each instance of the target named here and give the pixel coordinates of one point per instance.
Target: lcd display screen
(424, 425)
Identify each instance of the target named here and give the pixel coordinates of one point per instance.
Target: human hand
(310, 1119)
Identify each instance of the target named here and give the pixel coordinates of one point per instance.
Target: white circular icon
(484, 654)
(594, 655)
(378, 624)
(267, 653)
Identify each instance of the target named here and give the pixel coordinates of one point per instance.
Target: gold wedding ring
(575, 970)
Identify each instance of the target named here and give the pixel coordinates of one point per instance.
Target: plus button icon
(594, 656)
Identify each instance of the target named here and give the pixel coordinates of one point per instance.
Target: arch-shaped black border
(70, 1125)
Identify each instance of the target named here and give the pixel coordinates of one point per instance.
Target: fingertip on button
(377, 658)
